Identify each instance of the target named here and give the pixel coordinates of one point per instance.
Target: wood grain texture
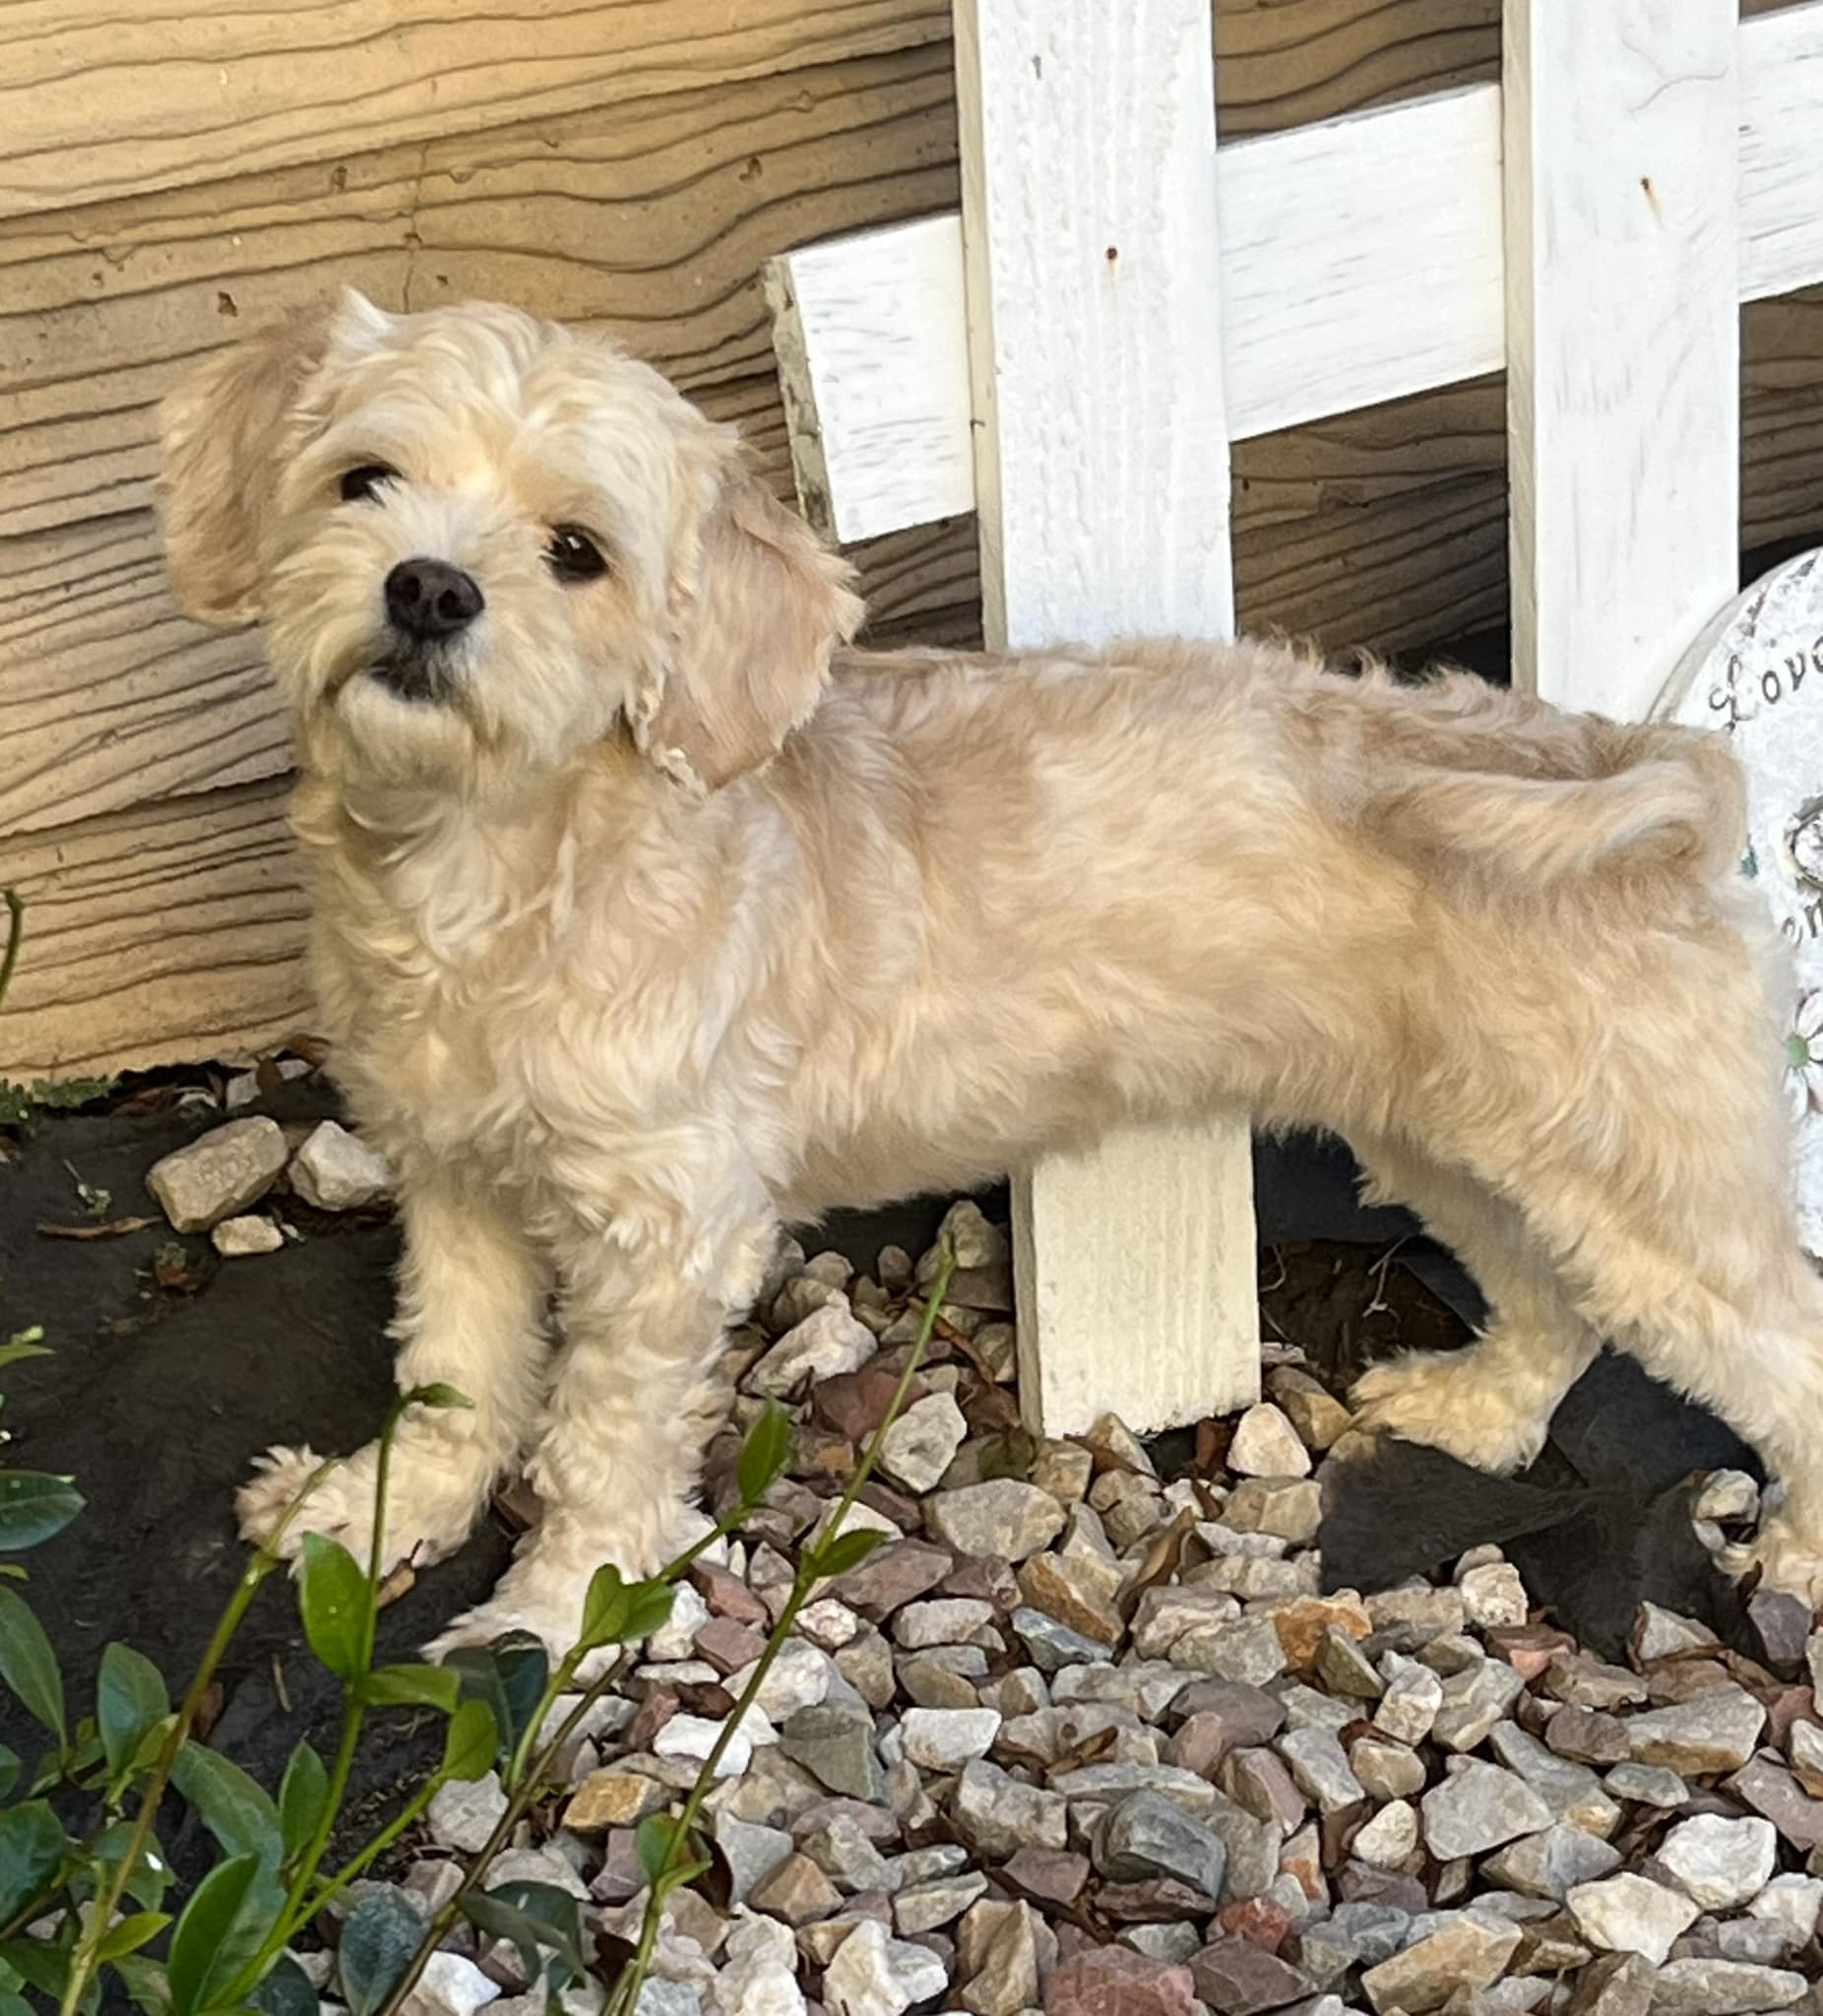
(102, 98)
(1101, 450)
(165, 934)
(1623, 386)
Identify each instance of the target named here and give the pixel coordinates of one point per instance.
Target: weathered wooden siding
(173, 170)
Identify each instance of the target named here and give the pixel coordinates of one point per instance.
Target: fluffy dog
(648, 914)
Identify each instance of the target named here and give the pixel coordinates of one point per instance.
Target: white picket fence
(1121, 298)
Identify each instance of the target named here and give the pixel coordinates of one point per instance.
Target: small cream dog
(646, 914)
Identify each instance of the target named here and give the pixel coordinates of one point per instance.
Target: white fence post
(1623, 378)
(1102, 478)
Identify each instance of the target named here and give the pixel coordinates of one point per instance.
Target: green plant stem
(335, 1885)
(108, 1895)
(15, 937)
(803, 1582)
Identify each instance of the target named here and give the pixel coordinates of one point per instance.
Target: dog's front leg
(634, 1397)
(471, 1294)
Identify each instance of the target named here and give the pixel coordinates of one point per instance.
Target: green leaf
(145, 1980)
(14, 2005)
(845, 1551)
(412, 1687)
(33, 1506)
(130, 1701)
(31, 1844)
(764, 1454)
(649, 1608)
(378, 1939)
(24, 1345)
(131, 1933)
(10, 1767)
(437, 1394)
(151, 1875)
(604, 1609)
(652, 1843)
(29, 1666)
(285, 1990)
(304, 1792)
(234, 1810)
(471, 1741)
(44, 1965)
(509, 1675)
(531, 1916)
(337, 1604)
(228, 1916)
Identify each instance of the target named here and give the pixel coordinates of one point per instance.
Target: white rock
(1266, 1444)
(220, 1174)
(462, 1814)
(875, 1974)
(922, 1442)
(1409, 1705)
(1721, 1862)
(336, 1171)
(1493, 1596)
(450, 1986)
(695, 1736)
(235, 1237)
(675, 1638)
(829, 1623)
(760, 1973)
(947, 1739)
(1628, 1914)
(1792, 1904)
(1389, 1837)
(801, 1676)
(828, 1342)
(1730, 1494)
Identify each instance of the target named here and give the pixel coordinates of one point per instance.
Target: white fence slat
(1359, 261)
(1623, 386)
(1089, 179)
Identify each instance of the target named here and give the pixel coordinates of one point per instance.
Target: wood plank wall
(174, 171)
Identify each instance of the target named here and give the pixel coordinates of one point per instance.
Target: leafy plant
(87, 1892)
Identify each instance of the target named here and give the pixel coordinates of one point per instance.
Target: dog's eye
(361, 483)
(573, 555)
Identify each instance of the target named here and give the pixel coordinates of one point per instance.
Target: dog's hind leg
(637, 1393)
(1489, 1405)
(471, 1294)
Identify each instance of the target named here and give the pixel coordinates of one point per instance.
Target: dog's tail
(1680, 803)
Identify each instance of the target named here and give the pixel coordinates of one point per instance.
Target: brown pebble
(1155, 1901)
(726, 1593)
(1054, 1876)
(1588, 1736)
(1114, 1980)
(728, 1644)
(854, 1404)
(893, 1576)
(1262, 1919)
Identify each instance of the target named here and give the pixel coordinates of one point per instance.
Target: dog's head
(481, 543)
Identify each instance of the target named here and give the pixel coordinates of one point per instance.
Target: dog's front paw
(1790, 1560)
(1446, 1401)
(431, 1505)
(547, 1602)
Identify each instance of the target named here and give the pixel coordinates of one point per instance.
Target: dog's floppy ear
(758, 606)
(220, 436)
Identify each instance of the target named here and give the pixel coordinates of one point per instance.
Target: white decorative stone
(922, 1443)
(1266, 1444)
(947, 1739)
(828, 1342)
(1756, 674)
(876, 1975)
(1389, 1837)
(336, 1171)
(1721, 1862)
(1628, 1914)
(218, 1174)
(236, 1237)
(1493, 1596)
(464, 1813)
(450, 1986)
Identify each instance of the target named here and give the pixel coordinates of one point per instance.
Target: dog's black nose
(430, 600)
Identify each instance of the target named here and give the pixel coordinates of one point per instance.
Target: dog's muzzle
(428, 606)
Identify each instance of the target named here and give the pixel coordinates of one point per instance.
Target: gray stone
(1791, 1904)
(1770, 1789)
(1479, 1806)
(336, 1172)
(1002, 1517)
(1252, 1849)
(995, 1813)
(1389, 1770)
(944, 1620)
(220, 1174)
(835, 1746)
(827, 1343)
(752, 1852)
(1571, 1791)
(1713, 1730)
(1389, 1837)
(842, 1850)
(451, 1986)
(1723, 1987)
(1466, 1950)
(924, 1907)
(1614, 1984)
(1053, 1647)
(945, 1739)
(237, 1238)
(1249, 1651)
(1236, 1977)
(922, 1442)
(1586, 1682)
(1629, 1913)
(1265, 1444)
(1493, 1596)
(1473, 1701)
(1146, 1835)
(1663, 1634)
(875, 1974)
(1161, 1616)
(1647, 1785)
(1289, 1508)
(1414, 1616)
(1320, 1767)
(1343, 1668)
(1353, 1936)
(1552, 1863)
(464, 1813)
(1722, 1863)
